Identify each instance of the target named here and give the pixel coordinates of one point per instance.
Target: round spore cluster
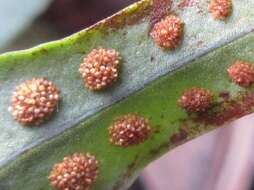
(34, 101)
(130, 129)
(168, 33)
(100, 68)
(77, 172)
(196, 99)
(242, 73)
(220, 9)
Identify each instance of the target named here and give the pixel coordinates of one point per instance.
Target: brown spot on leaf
(122, 19)
(160, 9)
(152, 58)
(200, 44)
(44, 51)
(190, 3)
(225, 95)
(227, 109)
(179, 137)
(157, 130)
(187, 3)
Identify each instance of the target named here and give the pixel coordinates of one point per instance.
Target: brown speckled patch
(200, 44)
(227, 109)
(224, 110)
(187, 3)
(224, 95)
(179, 137)
(160, 9)
(190, 3)
(122, 19)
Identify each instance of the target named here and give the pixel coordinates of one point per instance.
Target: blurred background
(220, 160)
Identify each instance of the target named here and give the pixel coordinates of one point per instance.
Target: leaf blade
(140, 70)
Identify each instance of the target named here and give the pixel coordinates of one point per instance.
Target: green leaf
(151, 82)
